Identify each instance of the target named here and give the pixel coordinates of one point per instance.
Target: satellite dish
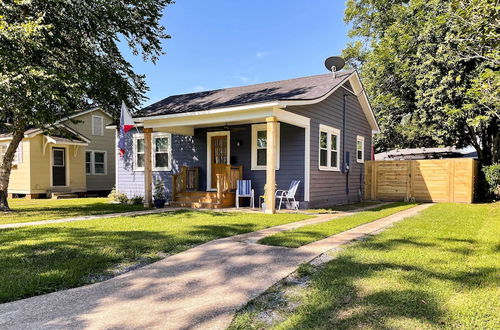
(334, 63)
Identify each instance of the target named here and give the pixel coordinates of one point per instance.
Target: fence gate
(430, 180)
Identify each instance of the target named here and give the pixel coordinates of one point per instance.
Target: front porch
(224, 150)
(186, 188)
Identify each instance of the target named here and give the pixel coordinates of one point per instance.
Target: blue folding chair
(244, 189)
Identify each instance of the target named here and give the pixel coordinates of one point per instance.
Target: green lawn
(48, 209)
(40, 259)
(307, 234)
(437, 270)
(342, 208)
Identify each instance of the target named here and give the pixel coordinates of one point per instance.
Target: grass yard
(307, 234)
(40, 259)
(437, 270)
(341, 208)
(49, 209)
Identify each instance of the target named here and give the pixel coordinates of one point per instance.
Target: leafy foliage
(492, 174)
(430, 68)
(61, 56)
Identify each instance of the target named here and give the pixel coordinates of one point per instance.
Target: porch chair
(289, 194)
(244, 189)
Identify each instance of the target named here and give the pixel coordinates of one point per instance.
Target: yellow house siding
(40, 166)
(20, 179)
(41, 169)
(104, 143)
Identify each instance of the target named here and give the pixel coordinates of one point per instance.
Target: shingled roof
(306, 88)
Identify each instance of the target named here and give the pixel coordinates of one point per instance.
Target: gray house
(315, 129)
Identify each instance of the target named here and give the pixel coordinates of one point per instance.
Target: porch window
(360, 149)
(329, 148)
(161, 152)
(95, 162)
(259, 147)
(139, 152)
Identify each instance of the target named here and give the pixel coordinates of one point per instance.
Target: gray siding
(329, 187)
(192, 151)
(98, 143)
(131, 183)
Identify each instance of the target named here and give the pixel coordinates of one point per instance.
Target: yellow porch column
(272, 128)
(148, 168)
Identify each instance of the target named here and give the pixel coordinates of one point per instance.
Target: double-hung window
(161, 150)
(17, 155)
(360, 149)
(95, 162)
(329, 153)
(259, 147)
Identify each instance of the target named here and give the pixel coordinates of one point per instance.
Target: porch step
(64, 195)
(204, 199)
(198, 205)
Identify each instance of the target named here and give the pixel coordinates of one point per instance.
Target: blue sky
(218, 44)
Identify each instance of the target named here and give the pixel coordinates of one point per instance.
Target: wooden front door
(219, 157)
(58, 167)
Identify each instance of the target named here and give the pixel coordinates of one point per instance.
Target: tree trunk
(6, 166)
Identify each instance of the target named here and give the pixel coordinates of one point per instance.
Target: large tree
(61, 56)
(430, 68)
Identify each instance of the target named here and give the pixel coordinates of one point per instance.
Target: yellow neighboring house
(76, 157)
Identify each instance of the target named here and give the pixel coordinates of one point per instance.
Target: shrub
(159, 191)
(118, 197)
(136, 200)
(492, 175)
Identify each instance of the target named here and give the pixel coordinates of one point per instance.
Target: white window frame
(91, 157)
(329, 131)
(169, 151)
(15, 160)
(361, 139)
(263, 127)
(92, 162)
(140, 136)
(101, 129)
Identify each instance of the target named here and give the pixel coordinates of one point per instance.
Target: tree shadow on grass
(342, 303)
(38, 260)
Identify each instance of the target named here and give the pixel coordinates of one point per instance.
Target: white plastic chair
(289, 194)
(244, 189)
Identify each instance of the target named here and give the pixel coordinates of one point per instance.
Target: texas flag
(126, 124)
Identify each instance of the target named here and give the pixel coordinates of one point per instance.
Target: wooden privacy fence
(430, 180)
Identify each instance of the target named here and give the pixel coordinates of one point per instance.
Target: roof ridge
(346, 72)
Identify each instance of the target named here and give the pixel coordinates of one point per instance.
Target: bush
(136, 200)
(159, 191)
(492, 175)
(118, 197)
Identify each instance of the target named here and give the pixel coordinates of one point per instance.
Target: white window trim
(361, 139)
(330, 131)
(92, 162)
(102, 126)
(169, 151)
(15, 160)
(139, 136)
(255, 129)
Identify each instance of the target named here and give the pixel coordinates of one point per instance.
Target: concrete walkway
(199, 288)
(89, 217)
(154, 211)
